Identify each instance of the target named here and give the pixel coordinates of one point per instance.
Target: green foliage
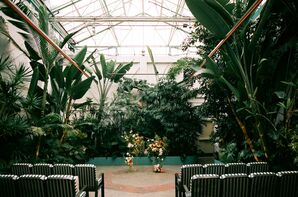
(182, 65)
(212, 15)
(58, 142)
(248, 72)
(106, 76)
(163, 109)
(14, 140)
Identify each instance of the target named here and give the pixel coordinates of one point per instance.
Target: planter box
(169, 160)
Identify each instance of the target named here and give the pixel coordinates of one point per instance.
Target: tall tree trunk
(244, 131)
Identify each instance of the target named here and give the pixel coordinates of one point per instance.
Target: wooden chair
(257, 167)
(87, 178)
(63, 186)
(8, 185)
(21, 168)
(42, 168)
(186, 172)
(64, 169)
(32, 185)
(214, 168)
(234, 185)
(232, 168)
(288, 183)
(263, 184)
(204, 185)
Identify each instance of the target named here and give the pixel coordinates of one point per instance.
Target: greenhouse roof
(125, 27)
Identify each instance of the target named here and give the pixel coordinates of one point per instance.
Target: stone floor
(140, 181)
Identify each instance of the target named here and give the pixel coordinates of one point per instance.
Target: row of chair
(187, 171)
(33, 185)
(259, 184)
(86, 173)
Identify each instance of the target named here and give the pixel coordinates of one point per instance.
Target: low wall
(169, 160)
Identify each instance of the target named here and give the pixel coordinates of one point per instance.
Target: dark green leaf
(103, 65)
(41, 69)
(121, 71)
(209, 17)
(33, 54)
(80, 89)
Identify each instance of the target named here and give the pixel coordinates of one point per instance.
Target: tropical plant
(59, 142)
(14, 127)
(157, 105)
(106, 76)
(67, 85)
(20, 27)
(44, 59)
(254, 62)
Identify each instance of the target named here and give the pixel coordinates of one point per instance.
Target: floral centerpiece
(157, 150)
(135, 147)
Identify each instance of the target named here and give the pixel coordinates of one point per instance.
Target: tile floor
(138, 182)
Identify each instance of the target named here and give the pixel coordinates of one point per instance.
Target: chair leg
(96, 193)
(102, 192)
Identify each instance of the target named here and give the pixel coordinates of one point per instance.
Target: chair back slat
(42, 168)
(257, 167)
(234, 185)
(63, 169)
(31, 185)
(8, 185)
(61, 186)
(288, 183)
(21, 168)
(263, 184)
(205, 185)
(87, 175)
(214, 168)
(187, 171)
(232, 168)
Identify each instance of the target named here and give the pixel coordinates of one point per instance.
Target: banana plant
(106, 77)
(67, 85)
(246, 60)
(44, 59)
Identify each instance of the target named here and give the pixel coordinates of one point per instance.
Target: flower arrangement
(157, 148)
(135, 146)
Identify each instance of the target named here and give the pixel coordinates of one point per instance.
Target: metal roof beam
(99, 19)
(128, 46)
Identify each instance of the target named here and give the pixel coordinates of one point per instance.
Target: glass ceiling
(125, 27)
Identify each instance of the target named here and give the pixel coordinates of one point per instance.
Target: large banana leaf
(212, 15)
(57, 74)
(41, 69)
(61, 45)
(97, 71)
(212, 71)
(110, 68)
(103, 65)
(33, 82)
(32, 53)
(71, 72)
(121, 71)
(79, 90)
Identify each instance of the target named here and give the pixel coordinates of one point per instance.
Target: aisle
(141, 181)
